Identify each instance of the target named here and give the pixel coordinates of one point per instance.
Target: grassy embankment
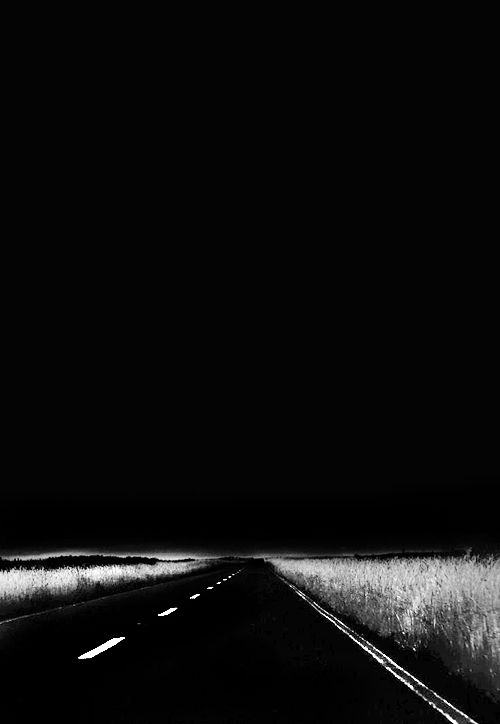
(28, 587)
(447, 606)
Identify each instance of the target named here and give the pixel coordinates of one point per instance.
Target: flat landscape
(444, 606)
(250, 461)
(234, 644)
(29, 586)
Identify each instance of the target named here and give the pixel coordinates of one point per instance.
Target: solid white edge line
(196, 595)
(168, 611)
(80, 603)
(440, 704)
(103, 647)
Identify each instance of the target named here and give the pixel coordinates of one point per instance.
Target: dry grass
(25, 590)
(448, 606)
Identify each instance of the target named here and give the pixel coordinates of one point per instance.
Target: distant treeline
(75, 561)
(457, 553)
(479, 551)
(93, 560)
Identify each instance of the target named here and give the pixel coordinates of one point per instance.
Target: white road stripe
(168, 611)
(209, 588)
(218, 583)
(444, 707)
(196, 595)
(103, 647)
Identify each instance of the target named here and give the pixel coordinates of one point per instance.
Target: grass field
(444, 605)
(26, 590)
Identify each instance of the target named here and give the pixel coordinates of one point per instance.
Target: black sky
(160, 420)
(251, 350)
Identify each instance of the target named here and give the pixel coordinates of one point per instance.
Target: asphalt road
(245, 650)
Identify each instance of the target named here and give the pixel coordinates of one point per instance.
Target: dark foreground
(249, 650)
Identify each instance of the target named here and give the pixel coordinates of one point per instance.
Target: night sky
(235, 321)
(415, 516)
(155, 407)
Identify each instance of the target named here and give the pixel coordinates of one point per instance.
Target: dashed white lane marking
(430, 697)
(168, 611)
(112, 642)
(103, 647)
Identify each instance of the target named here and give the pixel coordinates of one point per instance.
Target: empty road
(243, 649)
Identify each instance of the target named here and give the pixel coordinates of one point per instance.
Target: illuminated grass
(448, 606)
(25, 590)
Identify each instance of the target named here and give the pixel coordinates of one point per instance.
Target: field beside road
(446, 606)
(236, 646)
(29, 586)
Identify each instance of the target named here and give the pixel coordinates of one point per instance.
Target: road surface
(242, 650)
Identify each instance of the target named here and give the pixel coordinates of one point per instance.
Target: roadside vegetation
(31, 586)
(448, 606)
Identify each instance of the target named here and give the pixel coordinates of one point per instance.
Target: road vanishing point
(233, 645)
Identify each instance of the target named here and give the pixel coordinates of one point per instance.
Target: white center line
(209, 588)
(195, 595)
(103, 647)
(169, 610)
(218, 583)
